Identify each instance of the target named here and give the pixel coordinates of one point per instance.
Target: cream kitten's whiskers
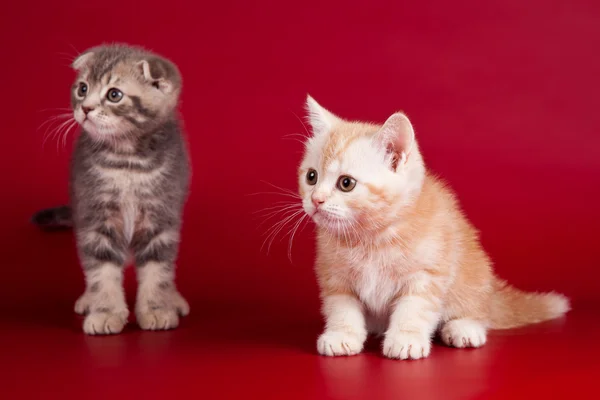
(274, 230)
(306, 130)
(276, 210)
(297, 137)
(292, 233)
(289, 213)
(284, 190)
(293, 196)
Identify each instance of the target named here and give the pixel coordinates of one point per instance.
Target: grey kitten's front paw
(83, 304)
(105, 323)
(181, 305)
(161, 313)
(102, 317)
(159, 319)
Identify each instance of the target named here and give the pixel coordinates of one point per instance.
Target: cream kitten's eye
(346, 183)
(311, 177)
(114, 95)
(82, 90)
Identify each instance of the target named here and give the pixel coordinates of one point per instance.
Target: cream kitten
(395, 253)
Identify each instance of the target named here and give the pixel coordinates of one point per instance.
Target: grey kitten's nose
(86, 110)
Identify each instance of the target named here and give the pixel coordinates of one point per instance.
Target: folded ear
(160, 73)
(319, 118)
(398, 137)
(83, 61)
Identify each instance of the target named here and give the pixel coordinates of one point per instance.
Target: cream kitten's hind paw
(406, 345)
(333, 343)
(463, 333)
(105, 323)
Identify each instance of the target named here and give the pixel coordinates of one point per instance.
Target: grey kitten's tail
(52, 219)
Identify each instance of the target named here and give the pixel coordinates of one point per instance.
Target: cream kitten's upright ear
(398, 137)
(319, 118)
(160, 73)
(82, 61)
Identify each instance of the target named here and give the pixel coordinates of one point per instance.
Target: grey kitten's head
(122, 91)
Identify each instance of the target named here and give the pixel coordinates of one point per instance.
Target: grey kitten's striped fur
(129, 181)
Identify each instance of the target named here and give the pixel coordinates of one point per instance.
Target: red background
(504, 98)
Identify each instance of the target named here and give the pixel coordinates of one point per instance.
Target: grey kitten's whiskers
(63, 131)
(56, 109)
(53, 119)
(58, 128)
(66, 131)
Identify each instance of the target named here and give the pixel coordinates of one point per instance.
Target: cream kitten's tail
(512, 307)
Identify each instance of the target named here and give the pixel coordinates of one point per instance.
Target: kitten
(128, 184)
(395, 253)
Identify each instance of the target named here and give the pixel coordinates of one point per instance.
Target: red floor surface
(504, 98)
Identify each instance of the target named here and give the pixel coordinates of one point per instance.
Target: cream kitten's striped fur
(395, 253)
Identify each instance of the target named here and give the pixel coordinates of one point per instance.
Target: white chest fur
(379, 275)
(377, 278)
(376, 289)
(131, 187)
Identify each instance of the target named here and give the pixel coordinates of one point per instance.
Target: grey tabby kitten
(129, 181)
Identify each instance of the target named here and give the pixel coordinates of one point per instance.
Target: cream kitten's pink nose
(318, 199)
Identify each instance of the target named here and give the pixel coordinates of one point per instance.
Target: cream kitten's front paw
(463, 333)
(332, 343)
(105, 323)
(406, 345)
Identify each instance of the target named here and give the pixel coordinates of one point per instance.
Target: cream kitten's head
(356, 177)
(122, 90)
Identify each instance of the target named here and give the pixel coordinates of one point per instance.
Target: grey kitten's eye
(311, 177)
(346, 183)
(114, 95)
(82, 90)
